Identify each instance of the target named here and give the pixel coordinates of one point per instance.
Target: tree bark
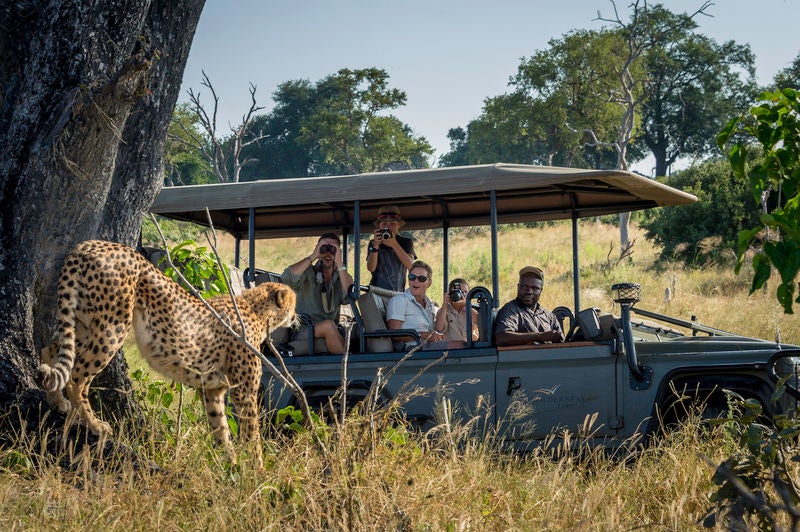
(87, 89)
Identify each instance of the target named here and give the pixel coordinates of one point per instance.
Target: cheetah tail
(54, 371)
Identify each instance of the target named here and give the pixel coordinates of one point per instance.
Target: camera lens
(386, 234)
(456, 295)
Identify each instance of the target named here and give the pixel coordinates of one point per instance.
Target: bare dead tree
(641, 33)
(223, 153)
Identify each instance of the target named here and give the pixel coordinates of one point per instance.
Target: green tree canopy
(789, 77)
(693, 83)
(555, 111)
(340, 125)
(183, 163)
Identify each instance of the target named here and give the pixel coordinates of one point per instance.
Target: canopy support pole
(495, 268)
(357, 248)
(575, 265)
(251, 249)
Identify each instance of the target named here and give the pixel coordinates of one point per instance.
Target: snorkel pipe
(626, 295)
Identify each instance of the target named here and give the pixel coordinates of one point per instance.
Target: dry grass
(369, 480)
(369, 483)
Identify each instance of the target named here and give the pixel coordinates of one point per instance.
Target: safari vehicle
(625, 373)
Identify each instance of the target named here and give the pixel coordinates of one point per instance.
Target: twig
(345, 358)
(285, 378)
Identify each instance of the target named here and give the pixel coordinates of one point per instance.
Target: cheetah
(106, 288)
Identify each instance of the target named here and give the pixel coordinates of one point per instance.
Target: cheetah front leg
(214, 401)
(245, 399)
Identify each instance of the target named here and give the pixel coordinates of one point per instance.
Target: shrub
(702, 232)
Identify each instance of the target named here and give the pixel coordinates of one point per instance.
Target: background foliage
(775, 125)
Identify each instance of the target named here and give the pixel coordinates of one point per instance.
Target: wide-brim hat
(391, 213)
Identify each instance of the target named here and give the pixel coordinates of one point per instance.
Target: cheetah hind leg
(55, 399)
(93, 352)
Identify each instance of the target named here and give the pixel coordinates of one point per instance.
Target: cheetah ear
(282, 297)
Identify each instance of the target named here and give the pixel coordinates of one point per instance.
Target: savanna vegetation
(89, 118)
(374, 472)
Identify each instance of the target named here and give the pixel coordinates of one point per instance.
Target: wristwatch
(372, 249)
(342, 268)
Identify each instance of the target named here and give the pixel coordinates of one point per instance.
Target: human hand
(337, 258)
(552, 336)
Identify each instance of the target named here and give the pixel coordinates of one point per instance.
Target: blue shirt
(405, 308)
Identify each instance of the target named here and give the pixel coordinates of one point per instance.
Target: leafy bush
(700, 233)
(775, 124)
(199, 267)
(755, 485)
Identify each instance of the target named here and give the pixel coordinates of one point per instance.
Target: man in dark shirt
(389, 255)
(523, 321)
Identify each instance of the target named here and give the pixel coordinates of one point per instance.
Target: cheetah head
(281, 304)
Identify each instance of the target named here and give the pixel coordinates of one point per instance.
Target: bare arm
(303, 264)
(440, 323)
(404, 257)
(523, 338)
(425, 336)
(372, 258)
(344, 276)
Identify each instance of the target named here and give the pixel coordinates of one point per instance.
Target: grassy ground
(371, 473)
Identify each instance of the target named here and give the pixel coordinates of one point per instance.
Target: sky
(447, 56)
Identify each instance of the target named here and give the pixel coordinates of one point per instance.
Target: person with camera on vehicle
(413, 309)
(524, 321)
(389, 255)
(451, 319)
(321, 289)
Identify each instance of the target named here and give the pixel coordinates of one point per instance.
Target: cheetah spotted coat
(106, 288)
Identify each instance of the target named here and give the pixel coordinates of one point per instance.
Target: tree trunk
(87, 89)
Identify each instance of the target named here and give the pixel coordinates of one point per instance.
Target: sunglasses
(327, 248)
(389, 215)
(420, 278)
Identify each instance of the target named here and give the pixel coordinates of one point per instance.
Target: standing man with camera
(321, 289)
(389, 255)
(451, 318)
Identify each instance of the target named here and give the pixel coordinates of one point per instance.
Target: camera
(386, 234)
(455, 293)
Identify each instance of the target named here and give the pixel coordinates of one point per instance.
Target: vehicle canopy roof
(427, 198)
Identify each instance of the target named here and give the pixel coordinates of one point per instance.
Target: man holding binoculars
(321, 289)
(389, 255)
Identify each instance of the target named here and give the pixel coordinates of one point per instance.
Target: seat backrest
(565, 318)
(237, 280)
(373, 314)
